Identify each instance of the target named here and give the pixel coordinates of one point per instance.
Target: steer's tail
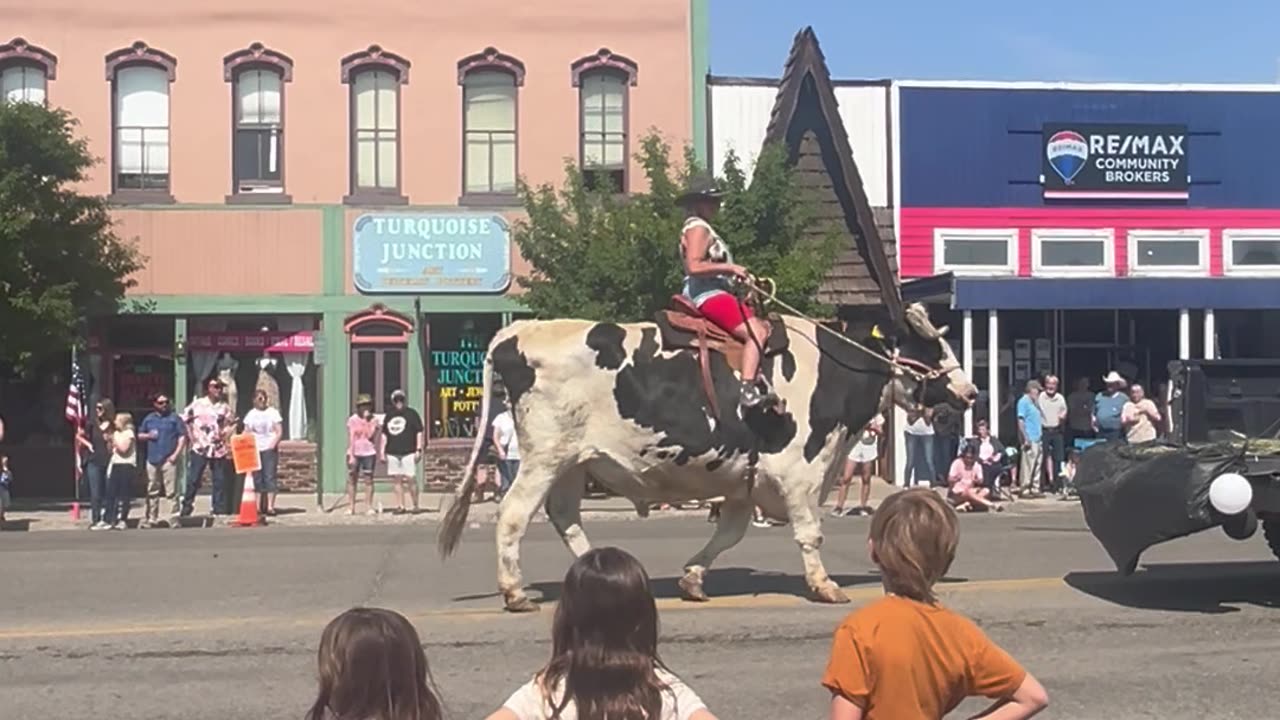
(456, 519)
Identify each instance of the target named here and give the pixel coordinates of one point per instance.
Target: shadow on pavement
(725, 582)
(1211, 588)
(23, 525)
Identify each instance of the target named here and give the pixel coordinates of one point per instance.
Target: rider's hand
(739, 272)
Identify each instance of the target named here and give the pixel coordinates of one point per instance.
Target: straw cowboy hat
(363, 399)
(701, 186)
(1113, 377)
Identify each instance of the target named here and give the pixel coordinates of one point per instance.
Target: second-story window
(25, 72)
(140, 86)
(258, 76)
(489, 81)
(259, 130)
(489, 126)
(375, 77)
(603, 80)
(21, 82)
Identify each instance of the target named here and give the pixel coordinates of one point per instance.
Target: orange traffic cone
(249, 505)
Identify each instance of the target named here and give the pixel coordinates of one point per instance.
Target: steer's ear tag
(875, 332)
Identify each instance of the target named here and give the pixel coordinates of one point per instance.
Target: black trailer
(1219, 467)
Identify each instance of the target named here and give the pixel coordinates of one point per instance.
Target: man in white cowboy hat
(1108, 408)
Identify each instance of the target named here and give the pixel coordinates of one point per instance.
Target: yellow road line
(742, 601)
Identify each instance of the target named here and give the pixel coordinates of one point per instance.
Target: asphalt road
(223, 623)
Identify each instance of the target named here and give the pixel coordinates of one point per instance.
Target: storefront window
(974, 251)
(1072, 251)
(455, 372)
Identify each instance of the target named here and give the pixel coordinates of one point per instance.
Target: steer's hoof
(831, 594)
(691, 588)
(521, 604)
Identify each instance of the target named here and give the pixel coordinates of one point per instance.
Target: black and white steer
(607, 401)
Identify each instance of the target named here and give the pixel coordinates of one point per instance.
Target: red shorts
(725, 311)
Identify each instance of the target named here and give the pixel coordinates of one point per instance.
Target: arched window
(25, 72)
(603, 80)
(375, 77)
(489, 81)
(140, 77)
(258, 75)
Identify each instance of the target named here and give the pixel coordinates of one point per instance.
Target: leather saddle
(682, 327)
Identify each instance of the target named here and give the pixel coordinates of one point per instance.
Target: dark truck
(1219, 467)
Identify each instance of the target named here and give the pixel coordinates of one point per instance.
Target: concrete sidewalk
(302, 510)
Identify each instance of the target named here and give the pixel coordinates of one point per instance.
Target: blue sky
(1086, 40)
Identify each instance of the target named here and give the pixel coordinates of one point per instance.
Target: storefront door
(376, 372)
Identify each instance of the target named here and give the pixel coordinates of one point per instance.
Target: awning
(932, 289)
(1114, 293)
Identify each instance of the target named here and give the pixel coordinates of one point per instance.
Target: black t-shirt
(101, 454)
(402, 428)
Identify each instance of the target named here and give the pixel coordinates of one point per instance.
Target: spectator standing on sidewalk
(1139, 416)
(1108, 407)
(1053, 413)
(947, 427)
(862, 457)
(506, 446)
(267, 427)
(98, 459)
(1080, 412)
(402, 444)
(165, 436)
(362, 452)
(121, 471)
(6, 482)
(209, 426)
(1031, 436)
(919, 439)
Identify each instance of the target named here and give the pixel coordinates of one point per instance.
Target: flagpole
(75, 440)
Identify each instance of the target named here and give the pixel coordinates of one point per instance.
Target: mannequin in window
(267, 380)
(227, 374)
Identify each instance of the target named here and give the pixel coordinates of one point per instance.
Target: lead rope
(897, 364)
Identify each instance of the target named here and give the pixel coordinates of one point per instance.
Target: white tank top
(700, 289)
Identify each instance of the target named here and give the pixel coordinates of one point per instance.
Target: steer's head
(929, 373)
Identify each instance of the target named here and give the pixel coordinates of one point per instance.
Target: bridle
(898, 365)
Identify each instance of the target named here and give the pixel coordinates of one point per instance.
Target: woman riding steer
(709, 273)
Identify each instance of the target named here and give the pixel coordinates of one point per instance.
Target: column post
(1184, 334)
(335, 404)
(966, 350)
(993, 372)
(180, 393)
(1210, 335)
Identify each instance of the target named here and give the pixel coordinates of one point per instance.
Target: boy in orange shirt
(906, 657)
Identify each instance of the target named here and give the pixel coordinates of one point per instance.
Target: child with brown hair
(372, 667)
(906, 656)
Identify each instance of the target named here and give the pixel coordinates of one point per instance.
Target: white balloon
(1230, 493)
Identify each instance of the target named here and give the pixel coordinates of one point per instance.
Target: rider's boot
(752, 395)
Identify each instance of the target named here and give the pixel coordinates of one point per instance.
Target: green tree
(60, 262)
(598, 256)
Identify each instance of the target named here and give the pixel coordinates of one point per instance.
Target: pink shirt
(964, 478)
(362, 433)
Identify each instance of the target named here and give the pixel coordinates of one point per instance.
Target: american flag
(75, 413)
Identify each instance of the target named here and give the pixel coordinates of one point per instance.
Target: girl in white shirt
(606, 624)
(121, 470)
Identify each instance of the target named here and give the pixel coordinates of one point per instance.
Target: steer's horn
(919, 319)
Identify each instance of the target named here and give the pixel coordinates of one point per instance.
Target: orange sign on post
(244, 453)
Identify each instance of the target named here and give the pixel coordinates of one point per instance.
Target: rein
(918, 371)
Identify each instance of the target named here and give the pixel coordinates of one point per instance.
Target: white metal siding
(740, 116)
(865, 113)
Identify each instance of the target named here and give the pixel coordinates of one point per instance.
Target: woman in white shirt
(267, 427)
(121, 471)
(606, 625)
